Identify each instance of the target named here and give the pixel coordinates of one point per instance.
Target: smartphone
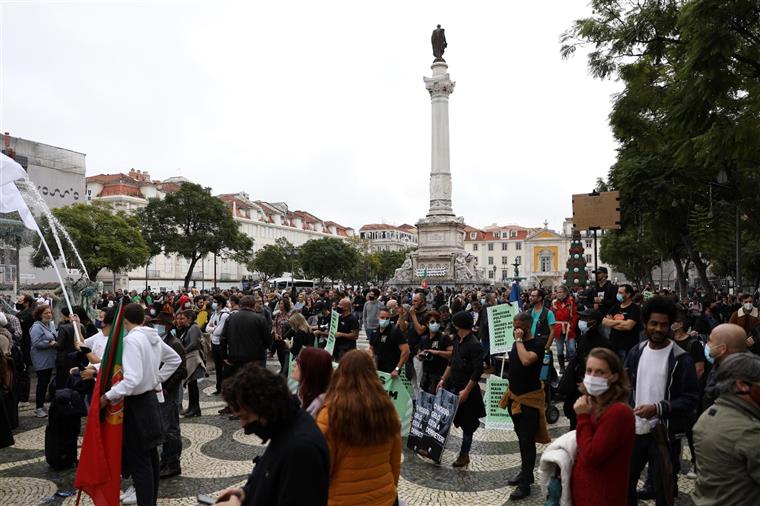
(205, 499)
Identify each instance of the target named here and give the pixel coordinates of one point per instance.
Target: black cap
(590, 313)
(462, 320)
(601, 269)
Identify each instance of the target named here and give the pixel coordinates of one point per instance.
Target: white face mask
(595, 385)
(748, 307)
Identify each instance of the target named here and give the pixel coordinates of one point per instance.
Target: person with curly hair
(294, 469)
(363, 435)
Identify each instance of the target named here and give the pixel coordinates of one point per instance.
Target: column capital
(439, 86)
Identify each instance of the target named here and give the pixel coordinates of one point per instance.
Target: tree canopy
(103, 239)
(192, 223)
(327, 258)
(687, 124)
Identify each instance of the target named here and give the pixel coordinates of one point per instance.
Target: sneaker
(130, 491)
(40, 413)
(130, 498)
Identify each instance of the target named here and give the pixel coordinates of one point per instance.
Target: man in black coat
(295, 467)
(246, 337)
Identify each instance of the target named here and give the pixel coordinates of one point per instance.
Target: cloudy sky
(317, 104)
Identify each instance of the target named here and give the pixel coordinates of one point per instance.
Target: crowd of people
(639, 372)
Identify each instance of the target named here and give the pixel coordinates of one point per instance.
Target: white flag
(10, 196)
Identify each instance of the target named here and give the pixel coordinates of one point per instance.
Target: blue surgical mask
(620, 297)
(383, 323)
(709, 357)
(583, 326)
(482, 302)
(434, 327)
(160, 329)
(214, 306)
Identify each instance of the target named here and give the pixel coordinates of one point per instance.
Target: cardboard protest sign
(334, 316)
(439, 423)
(420, 418)
(496, 418)
(500, 327)
(400, 399)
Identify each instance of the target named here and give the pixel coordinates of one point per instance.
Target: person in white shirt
(146, 363)
(214, 327)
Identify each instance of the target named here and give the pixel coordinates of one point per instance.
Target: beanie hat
(462, 320)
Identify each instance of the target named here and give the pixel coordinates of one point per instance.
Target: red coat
(564, 311)
(600, 474)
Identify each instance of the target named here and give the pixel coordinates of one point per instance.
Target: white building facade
(384, 237)
(263, 222)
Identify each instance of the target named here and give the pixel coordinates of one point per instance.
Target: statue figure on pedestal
(439, 43)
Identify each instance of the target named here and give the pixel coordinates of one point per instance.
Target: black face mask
(260, 430)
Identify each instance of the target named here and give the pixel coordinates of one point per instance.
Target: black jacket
(295, 468)
(246, 337)
(681, 393)
(174, 381)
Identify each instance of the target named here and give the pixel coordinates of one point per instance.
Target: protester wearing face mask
(747, 317)
(726, 437)
(295, 467)
(623, 321)
(605, 433)
(725, 340)
(436, 349)
(389, 345)
(589, 338)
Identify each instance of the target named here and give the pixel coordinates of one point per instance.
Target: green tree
(688, 113)
(389, 262)
(192, 223)
(104, 239)
(327, 258)
(270, 261)
(291, 254)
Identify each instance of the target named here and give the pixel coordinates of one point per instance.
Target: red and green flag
(99, 470)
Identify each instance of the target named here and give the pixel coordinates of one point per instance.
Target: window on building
(167, 264)
(518, 259)
(588, 243)
(504, 235)
(504, 274)
(474, 247)
(504, 261)
(490, 246)
(513, 233)
(589, 259)
(545, 261)
(518, 246)
(504, 246)
(490, 260)
(473, 235)
(490, 274)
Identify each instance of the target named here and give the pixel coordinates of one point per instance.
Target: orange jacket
(361, 476)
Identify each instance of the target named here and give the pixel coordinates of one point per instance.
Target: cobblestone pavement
(217, 455)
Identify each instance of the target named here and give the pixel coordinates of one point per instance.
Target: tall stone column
(440, 87)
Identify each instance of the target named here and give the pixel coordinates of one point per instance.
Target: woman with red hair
(363, 435)
(312, 370)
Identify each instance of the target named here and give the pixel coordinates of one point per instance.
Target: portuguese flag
(99, 470)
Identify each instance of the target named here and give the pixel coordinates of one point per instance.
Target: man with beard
(664, 393)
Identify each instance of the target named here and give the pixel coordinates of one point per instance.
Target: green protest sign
(400, 399)
(496, 418)
(500, 327)
(331, 332)
(292, 384)
(407, 382)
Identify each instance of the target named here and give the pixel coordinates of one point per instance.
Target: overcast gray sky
(318, 104)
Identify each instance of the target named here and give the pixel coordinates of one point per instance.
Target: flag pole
(60, 280)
